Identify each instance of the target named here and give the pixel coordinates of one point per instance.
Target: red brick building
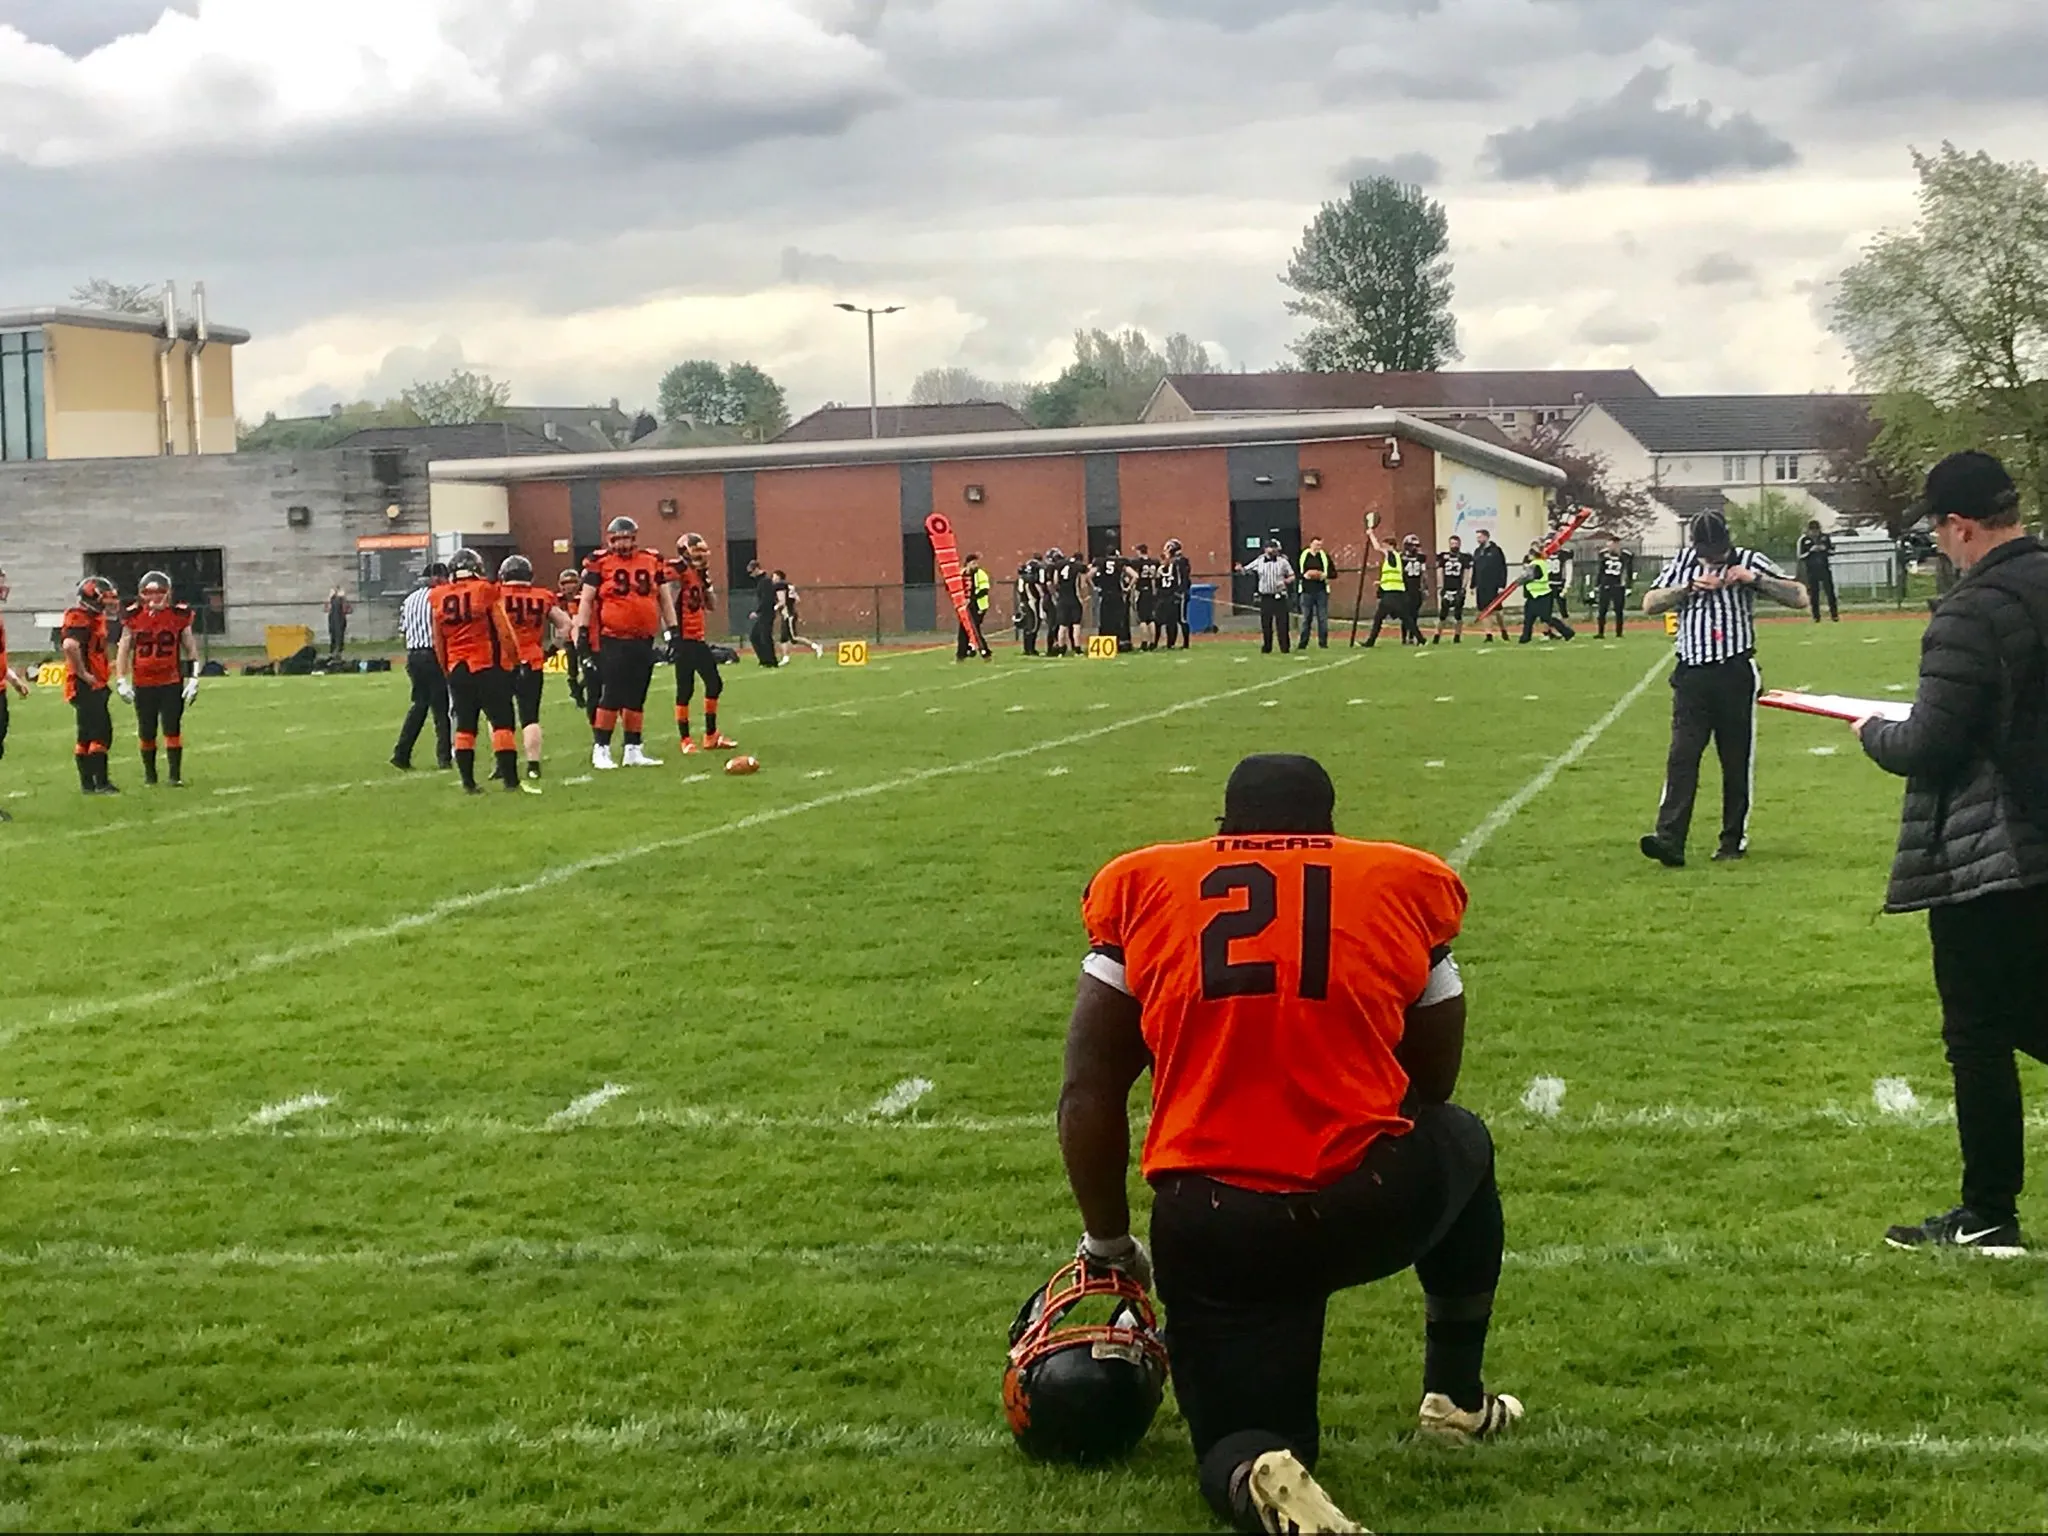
(847, 517)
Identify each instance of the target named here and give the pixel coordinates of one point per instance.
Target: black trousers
(1274, 617)
(693, 661)
(1542, 610)
(528, 684)
(1173, 618)
(3, 717)
(970, 641)
(1820, 576)
(477, 696)
(1991, 969)
(1392, 605)
(1714, 703)
(429, 697)
(628, 670)
(1246, 1277)
(159, 708)
(95, 718)
(1612, 600)
(761, 635)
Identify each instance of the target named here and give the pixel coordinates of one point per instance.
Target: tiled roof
(1728, 423)
(842, 423)
(481, 439)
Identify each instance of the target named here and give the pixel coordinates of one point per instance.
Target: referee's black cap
(1279, 792)
(1968, 484)
(1709, 534)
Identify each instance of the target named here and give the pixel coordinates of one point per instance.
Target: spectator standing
(1318, 570)
(1489, 580)
(1276, 579)
(423, 671)
(1973, 834)
(767, 600)
(1817, 567)
(338, 610)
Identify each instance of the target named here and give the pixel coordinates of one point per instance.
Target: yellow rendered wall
(101, 393)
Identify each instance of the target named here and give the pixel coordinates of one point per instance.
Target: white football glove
(191, 689)
(1126, 1254)
(125, 688)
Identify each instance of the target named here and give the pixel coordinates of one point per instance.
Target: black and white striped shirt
(1715, 626)
(416, 618)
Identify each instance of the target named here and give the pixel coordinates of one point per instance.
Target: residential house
(1695, 453)
(1518, 402)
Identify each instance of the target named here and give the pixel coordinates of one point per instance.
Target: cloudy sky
(573, 194)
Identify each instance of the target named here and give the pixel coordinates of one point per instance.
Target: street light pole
(874, 388)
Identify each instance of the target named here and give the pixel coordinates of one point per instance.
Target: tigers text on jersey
(89, 629)
(693, 599)
(527, 608)
(156, 640)
(465, 619)
(1273, 975)
(628, 591)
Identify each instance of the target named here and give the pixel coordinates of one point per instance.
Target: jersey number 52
(1221, 977)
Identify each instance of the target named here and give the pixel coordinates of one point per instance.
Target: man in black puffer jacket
(1973, 838)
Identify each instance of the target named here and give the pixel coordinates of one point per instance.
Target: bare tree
(119, 298)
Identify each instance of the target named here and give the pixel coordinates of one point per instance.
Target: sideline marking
(1477, 839)
(901, 1099)
(582, 1109)
(277, 1114)
(469, 901)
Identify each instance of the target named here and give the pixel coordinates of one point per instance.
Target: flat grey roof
(109, 320)
(1134, 438)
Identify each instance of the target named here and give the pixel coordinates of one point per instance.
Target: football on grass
(742, 765)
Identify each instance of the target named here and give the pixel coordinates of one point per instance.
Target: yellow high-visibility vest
(1392, 577)
(1539, 584)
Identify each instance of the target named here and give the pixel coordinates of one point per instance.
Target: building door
(1251, 524)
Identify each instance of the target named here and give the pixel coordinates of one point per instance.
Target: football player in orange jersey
(157, 639)
(626, 604)
(694, 598)
(9, 678)
(539, 622)
(478, 652)
(1293, 994)
(86, 680)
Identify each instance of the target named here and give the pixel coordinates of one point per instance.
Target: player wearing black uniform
(1176, 578)
(1148, 600)
(1415, 571)
(1816, 553)
(1617, 571)
(1066, 611)
(1453, 568)
(1027, 614)
(1114, 580)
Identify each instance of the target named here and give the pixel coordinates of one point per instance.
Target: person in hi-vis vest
(1539, 596)
(979, 588)
(1393, 603)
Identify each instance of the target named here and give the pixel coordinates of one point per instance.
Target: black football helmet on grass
(1084, 1392)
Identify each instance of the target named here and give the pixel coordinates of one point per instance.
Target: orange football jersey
(528, 607)
(1274, 974)
(89, 629)
(465, 618)
(693, 599)
(628, 592)
(155, 641)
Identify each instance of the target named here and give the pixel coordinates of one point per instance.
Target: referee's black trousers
(1246, 1278)
(1274, 618)
(1716, 703)
(1991, 969)
(429, 696)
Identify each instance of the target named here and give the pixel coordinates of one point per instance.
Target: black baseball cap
(1968, 484)
(1279, 792)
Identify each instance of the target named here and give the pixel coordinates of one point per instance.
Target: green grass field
(313, 1212)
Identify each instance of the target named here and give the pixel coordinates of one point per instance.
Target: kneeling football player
(478, 652)
(1283, 1173)
(157, 641)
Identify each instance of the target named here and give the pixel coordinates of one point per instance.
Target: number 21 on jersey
(1222, 976)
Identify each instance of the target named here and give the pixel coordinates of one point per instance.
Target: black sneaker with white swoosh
(1962, 1228)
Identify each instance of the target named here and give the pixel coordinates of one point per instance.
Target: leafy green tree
(758, 405)
(1617, 507)
(456, 401)
(1872, 486)
(1112, 378)
(1066, 401)
(1771, 523)
(1373, 272)
(962, 386)
(703, 393)
(1948, 320)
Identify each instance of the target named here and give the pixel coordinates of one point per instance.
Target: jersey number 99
(631, 583)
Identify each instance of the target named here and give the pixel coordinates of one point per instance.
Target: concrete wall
(102, 399)
(52, 514)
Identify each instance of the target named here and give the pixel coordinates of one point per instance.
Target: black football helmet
(516, 568)
(465, 562)
(621, 532)
(1087, 1392)
(98, 594)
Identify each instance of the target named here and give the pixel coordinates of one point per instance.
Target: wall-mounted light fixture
(667, 507)
(299, 517)
(1312, 479)
(976, 495)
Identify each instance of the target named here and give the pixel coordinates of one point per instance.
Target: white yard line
(470, 901)
(1477, 839)
(277, 1114)
(579, 1110)
(238, 805)
(901, 1099)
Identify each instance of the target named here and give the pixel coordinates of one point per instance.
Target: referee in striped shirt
(423, 667)
(1713, 586)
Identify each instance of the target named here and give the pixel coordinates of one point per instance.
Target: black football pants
(627, 667)
(1820, 577)
(1613, 600)
(1711, 703)
(159, 709)
(694, 660)
(1246, 1278)
(1173, 619)
(429, 697)
(1991, 969)
(1543, 610)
